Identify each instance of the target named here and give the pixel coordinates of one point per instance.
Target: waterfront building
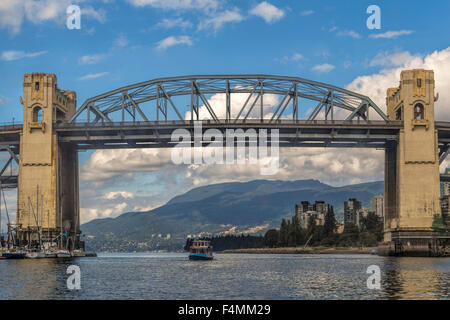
(352, 210)
(378, 206)
(306, 211)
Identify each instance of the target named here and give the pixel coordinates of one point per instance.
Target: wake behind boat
(201, 250)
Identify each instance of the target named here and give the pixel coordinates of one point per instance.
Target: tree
(350, 235)
(292, 235)
(330, 225)
(367, 239)
(299, 232)
(439, 225)
(271, 238)
(314, 231)
(282, 236)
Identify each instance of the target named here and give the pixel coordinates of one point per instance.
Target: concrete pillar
(48, 170)
(412, 182)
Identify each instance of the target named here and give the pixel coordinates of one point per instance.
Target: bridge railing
(221, 122)
(10, 125)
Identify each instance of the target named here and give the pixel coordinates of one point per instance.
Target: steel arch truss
(8, 181)
(127, 101)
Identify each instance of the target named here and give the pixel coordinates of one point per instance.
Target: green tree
(330, 225)
(271, 238)
(439, 225)
(299, 232)
(350, 236)
(367, 239)
(283, 234)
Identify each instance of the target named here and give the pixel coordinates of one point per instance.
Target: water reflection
(416, 278)
(234, 276)
(32, 279)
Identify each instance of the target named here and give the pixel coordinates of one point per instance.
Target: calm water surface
(228, 276)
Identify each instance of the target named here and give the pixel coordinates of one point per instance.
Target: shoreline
(299, 250)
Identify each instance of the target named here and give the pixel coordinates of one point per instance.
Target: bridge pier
(48, 169)
(412, 182)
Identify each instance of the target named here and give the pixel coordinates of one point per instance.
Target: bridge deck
(292, 133)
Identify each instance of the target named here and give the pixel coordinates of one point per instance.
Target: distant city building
(306, 211)
(445, 208)
(352, 210)
(447, 184)
(378, 205)
(364, 212)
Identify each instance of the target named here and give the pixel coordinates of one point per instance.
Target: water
(228, 276)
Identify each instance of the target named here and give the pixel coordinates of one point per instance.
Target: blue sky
(127, 41)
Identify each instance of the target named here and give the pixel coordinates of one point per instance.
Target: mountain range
(249, 207)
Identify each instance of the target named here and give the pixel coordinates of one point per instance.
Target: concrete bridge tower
(48, 170)
(412, 181)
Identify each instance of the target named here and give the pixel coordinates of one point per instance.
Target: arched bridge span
(167, 99)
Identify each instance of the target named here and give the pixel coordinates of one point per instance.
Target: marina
(40, 244)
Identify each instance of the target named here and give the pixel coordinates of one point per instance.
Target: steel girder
(161, 92)
(8, 181)
(291, 133)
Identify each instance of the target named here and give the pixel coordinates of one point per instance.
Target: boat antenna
(6, 210)
(37, 224)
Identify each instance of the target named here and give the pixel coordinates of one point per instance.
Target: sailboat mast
(48, 226)
(1, 188)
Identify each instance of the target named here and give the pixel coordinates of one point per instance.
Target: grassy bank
(300, 250)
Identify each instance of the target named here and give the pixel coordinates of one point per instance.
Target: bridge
(305, 113)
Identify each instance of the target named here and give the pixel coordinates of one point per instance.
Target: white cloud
(15, 55)
(108, 164)
(93, 76)
(218, 104)
(88, 214)
(118, 194)
(218, 20)
(173, 41)
(323, 68)
(349, 33)
(174, 23)
(121, 41)
(375, 85)
(91, 59)
(387, 59)
(99, 15)
(391, 34)
(14, 12)
(268, 12)
(205, 5)
(295, 57)
(307, 12)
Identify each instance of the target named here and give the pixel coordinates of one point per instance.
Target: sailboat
(38, 252)
(8, 253)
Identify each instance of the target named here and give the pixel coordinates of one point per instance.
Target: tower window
(418, 111)
(36, 86)
(398, 114)
(37, 114)
(419, 82)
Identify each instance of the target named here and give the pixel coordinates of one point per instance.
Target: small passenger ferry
(201, 250)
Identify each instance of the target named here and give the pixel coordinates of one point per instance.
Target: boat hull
(8, 255)
(198, 256)
(35, 255)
